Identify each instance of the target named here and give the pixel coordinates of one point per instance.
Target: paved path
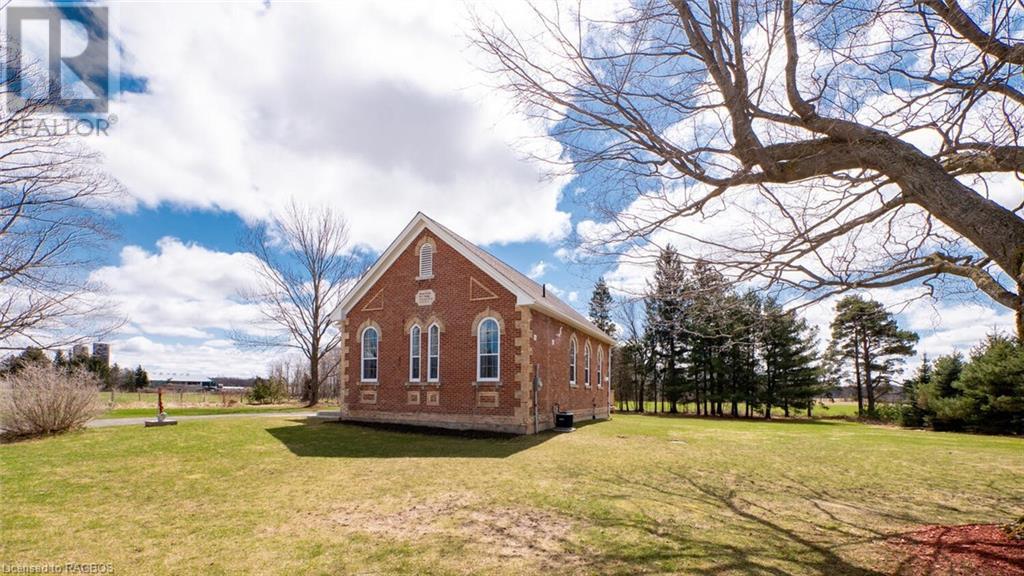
(138, 421)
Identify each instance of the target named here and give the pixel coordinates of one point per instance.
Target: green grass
(638, 494)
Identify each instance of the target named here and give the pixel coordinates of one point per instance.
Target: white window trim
(478, 355)
(573, 351)
(430, 329)
(586, 365)
(419, 358)
(362, 354)
(600, 367)
(421, 275)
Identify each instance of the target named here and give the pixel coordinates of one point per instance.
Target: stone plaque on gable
(424, 297)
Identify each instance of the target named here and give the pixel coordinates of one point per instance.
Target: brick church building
(441, 333)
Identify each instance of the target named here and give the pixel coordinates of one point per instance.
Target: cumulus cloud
(213, 357)
(538, 270)
(180, 290)
(378, 109)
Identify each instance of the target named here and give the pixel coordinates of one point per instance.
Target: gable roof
(527, 292)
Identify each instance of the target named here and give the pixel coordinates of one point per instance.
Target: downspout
(536, 397)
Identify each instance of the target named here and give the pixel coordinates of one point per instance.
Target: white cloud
(538, 270)
(374, 108)
(214, 357)
(181, 290)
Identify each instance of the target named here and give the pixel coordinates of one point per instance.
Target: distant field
(200, 411)
(134, 404)
(171, 398)
(638, 494)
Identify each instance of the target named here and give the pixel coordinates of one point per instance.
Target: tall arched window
(488, 351)
(433, 353)
(572, 362)
(600, 367)
(586, 364)
(426, 261)
(368, 369)
(414, 354)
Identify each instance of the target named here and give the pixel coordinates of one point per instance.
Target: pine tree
(792, 378)
(141, 379)
(911, 413)
(665, 316)
(601, 307)
(31, 355)
(866, 335)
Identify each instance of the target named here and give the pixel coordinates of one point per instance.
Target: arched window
(433, 353)
(368, 370)
(600, 367)
(586, 364)
(427, 261)
(572, 362)
(414, 354)
(488, 351)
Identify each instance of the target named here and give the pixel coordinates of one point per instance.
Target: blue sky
(380, 110)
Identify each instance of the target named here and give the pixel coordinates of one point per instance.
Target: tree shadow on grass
(316, 438)
(763, 544)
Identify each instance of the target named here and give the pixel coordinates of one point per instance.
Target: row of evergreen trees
(112, 377)
(983, 393)
(702, 344)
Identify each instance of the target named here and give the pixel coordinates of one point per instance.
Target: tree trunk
(313, 386)
(856, 372)
(869, 386)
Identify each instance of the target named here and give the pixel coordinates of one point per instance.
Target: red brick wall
(395, 293)
(551, 352)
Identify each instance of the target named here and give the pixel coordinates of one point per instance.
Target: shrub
(267, 391)
(41, 399)
(891, 413)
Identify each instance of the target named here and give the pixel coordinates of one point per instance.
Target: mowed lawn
(638, 494)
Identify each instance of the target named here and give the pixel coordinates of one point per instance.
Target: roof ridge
(516, 277)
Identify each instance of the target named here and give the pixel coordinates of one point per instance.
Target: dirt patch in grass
(503, 533)
(973, 549)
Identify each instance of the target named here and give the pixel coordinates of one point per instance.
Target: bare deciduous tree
(53, 194)
(859, 141)
(303, 264)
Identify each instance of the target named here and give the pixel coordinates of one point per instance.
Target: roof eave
(591, 330)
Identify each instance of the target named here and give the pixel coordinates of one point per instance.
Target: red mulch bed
(971, 550)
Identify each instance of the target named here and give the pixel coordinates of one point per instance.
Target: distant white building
(178, 379)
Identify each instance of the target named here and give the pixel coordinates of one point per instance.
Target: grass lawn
(637, 494)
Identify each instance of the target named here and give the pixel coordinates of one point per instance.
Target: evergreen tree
(866, 335)
(141, 378)
(601, 307)
(709, 332)
(30, 355)
(992, 384)
(665, 316)
(791, 374)
(911, 413)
